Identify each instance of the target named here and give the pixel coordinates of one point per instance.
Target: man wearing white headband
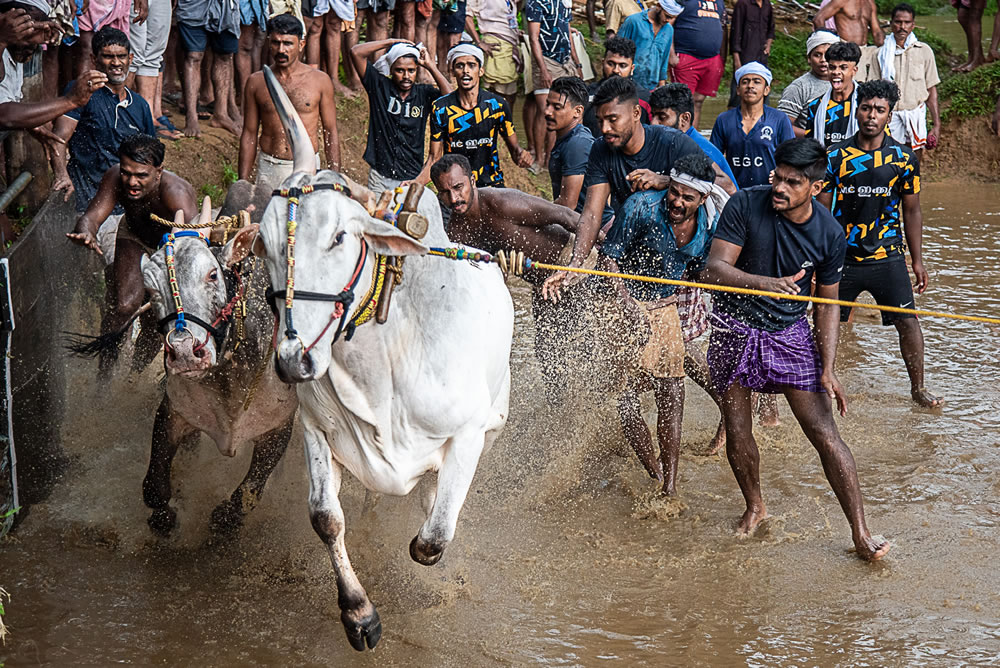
(472, 122)
(909, 63)
(813, 83)
(749, 134)
(652, 31)
(661, 234)
(398, 109)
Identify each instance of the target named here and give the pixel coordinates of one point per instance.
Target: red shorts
(701, 75)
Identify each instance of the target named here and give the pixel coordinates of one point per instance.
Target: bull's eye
(213, 276)
(339, 239)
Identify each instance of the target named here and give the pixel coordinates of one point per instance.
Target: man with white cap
(830, 118)
(311, 93)
(909, 63)
(471, 121)
(749, 134)
(398, 108)
(813, 83)
(652, 31)
(661, 234)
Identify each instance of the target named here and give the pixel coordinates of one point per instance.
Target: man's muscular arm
(877, 35)
(103, 204)
(328, 115)
(826, 13)
(251, 126)
(569, 193)
(586, 235)
(721, 270)
(826, 318)
(530, 211)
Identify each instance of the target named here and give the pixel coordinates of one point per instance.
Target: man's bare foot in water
(925, 398)
(719, 441)
(225, 123)
(751, 520)
(872, 548)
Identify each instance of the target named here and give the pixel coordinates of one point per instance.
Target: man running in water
(773, 238)
(142, 187)
(873, 183)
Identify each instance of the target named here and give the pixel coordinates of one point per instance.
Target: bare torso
(304, 87)
(174, 193)
(853, 21)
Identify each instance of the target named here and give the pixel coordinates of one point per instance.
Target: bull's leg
(169, 432)
(360, 619)
(454, 480)
(267, 452)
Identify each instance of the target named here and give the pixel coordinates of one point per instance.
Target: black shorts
(887, 281)
(194, 39)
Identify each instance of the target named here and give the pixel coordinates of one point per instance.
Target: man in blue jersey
(749, 134)
(873, 184)
(673, 106)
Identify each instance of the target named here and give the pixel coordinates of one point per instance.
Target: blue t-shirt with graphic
(554, 18)
(751, 155)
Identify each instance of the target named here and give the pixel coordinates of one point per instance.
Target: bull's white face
(327, 248)
(202, 286)
(190, 352)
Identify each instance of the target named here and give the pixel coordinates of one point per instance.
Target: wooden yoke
(414, 225)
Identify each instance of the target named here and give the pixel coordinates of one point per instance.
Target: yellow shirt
(916, 73)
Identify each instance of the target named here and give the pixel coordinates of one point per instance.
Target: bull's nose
(292, 365)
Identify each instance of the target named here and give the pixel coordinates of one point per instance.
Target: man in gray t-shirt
(813, 83)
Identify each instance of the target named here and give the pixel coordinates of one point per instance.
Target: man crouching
(139, 187)
(661, 234)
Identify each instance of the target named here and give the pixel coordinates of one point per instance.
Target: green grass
(973, 94)
(928, 7)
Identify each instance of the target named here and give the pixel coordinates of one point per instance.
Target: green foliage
(229, 174)
(211, 190)
(787, 60)
(923, 7)
(973, 94)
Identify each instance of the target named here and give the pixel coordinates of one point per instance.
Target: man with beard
(773, 238)
(95, 131)
(619, 61)
(627, 158)
(140, 187)
(873, 184)
(311, 93)
(661, 234)
(471, 121)
(398, 108)
(830, 117)
(813, 83)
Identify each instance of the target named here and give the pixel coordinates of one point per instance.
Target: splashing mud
(563, 555)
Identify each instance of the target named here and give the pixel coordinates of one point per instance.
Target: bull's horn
(206, 211)
(303, 155)
(178, 220)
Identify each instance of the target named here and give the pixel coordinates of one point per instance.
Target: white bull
(426, 391)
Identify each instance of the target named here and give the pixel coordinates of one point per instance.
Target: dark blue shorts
(453, 23)
(194, 39)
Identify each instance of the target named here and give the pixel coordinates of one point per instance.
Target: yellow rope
(765, 293)
(228, 221)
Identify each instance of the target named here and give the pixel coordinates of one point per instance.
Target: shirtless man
(312, 95)
(141, 187)
(853, 18)
(494, 219)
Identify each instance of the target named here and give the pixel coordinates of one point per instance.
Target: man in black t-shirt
(628, 157)
(772, 238)
(398, 109)
(472, 121)
(873, 183)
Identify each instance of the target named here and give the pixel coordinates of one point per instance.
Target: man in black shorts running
(873, 183)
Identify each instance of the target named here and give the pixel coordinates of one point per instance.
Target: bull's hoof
(367, 630)
(424, 553)
(162, 521)
(227, 518)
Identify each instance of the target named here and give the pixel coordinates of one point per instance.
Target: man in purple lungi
(773, 238)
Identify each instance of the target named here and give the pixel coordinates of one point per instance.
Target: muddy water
(562, 555)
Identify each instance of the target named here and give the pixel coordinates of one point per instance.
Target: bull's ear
(240, 245)
(387, 240)
(149, 273)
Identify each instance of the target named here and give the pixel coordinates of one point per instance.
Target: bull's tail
(90, 347)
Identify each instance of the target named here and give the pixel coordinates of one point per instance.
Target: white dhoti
(910, 126)
(271, 171)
